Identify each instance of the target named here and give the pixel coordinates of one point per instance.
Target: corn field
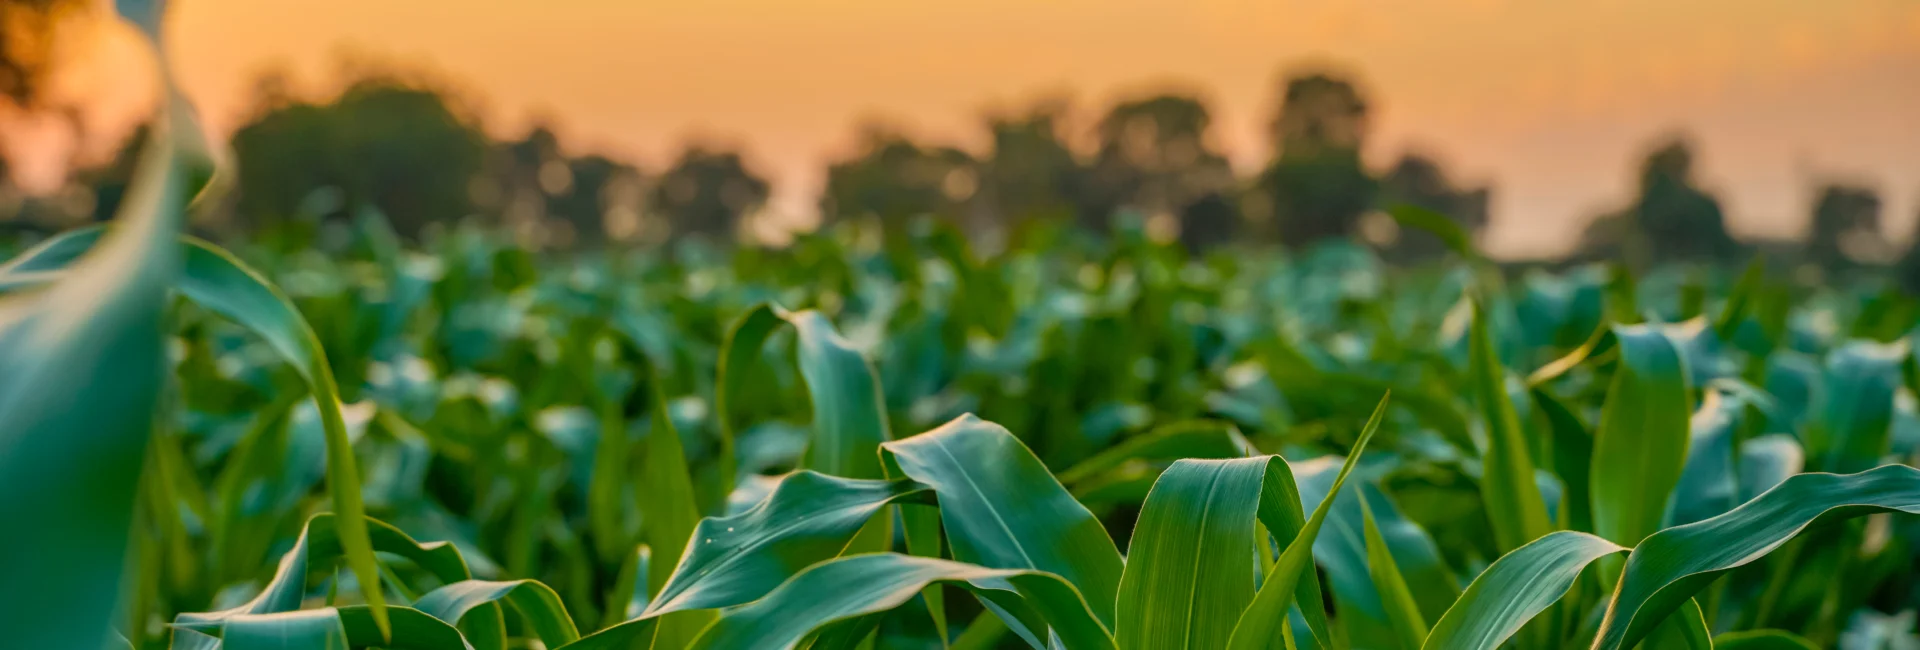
(886, 440)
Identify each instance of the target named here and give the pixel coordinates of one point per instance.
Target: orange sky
(1550, 101)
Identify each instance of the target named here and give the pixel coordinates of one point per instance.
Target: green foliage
(935, 449)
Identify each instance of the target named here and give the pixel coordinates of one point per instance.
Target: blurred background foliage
(395, 139)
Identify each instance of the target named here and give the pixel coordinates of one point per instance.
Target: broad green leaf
(318, 629)
(1572, 457)
(629, 597)
(221, 283)
(1851, 430)
(1767, 460)
(83, 372)
(858, 585)
(539, 606)
(920, 524)
(1341, 548)
(1281, 519)
(741, 350)
(412, 630)
(1190, 565)
(330, 628)
(1709, 484)
(317, 547)
(1762, 640)
(1261, 623)
(671, 514)
(809, 517)
(849, 413)
(1641, 443)
(1670, 566)
(849, 417)
(1513, 502)
(977, 468)
(1514, 589)
(630, 635)
(1402, 612)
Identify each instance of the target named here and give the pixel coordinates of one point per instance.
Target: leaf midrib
(960, 469)
(1193, 575)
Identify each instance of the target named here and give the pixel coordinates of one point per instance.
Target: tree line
(401, 144)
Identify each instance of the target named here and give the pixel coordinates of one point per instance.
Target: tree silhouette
(592, 198)
(894, 179)
(382, 144)
(1419, 180)
(559, 200)
(1846, 226)
(1316, 187)
(1154, 158)
(1681, 221)
(27, 44)
(1030, 174)
(707, 193)
(1671, 220)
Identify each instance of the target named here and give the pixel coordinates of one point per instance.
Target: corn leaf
(1762, 640)
(539, 606)
(331, 628)
(221, 283)
(1851, 429)
(1190, 566)
(1709, 483)
(976, 467)
(1640, 446)
(1260, 624)
(78, 393)
(1514, 589)
(858, 585)
(319, 544)
(1512, 500)
(1670, 566)
(1402, 612)
(809, 517)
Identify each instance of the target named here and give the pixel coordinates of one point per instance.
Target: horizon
(1551, 106)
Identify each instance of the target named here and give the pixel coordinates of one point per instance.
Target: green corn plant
(1120, 444)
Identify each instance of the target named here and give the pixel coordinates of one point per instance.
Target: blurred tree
(1671, 220)
(1031, 174)
(1846, 227)
(895, 179)
(590, 204)
(708, 193)
(382, 143)
(1680, 220)
(551, 198)
(1153, 157)
(1316, 187)
(1213, 220)
(1613, 237)
(1419, 180)
(515, 184)
(27, 37)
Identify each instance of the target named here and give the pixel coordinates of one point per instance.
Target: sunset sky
(1552, 102)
